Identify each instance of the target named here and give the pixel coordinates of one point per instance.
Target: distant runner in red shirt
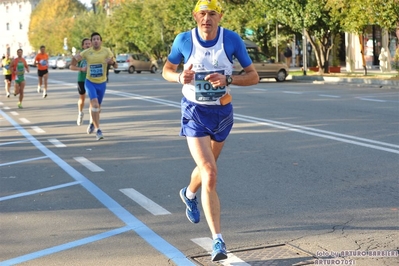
(41, 61)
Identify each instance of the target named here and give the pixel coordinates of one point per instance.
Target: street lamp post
(276, 41)
(304, 53)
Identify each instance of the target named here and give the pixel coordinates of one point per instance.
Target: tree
(355, 15)
(311, 17)
(85, 24)
(51, 22)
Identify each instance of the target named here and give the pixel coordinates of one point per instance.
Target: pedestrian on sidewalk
(288, 55)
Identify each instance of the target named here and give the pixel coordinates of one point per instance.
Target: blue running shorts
(199, 120)
(95, 90)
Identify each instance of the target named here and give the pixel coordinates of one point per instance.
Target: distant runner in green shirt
(81, 66)
(19, 67)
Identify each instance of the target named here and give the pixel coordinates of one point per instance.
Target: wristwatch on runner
(229, 80)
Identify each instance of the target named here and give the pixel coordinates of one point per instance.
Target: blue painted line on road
(65, 246)
(38, 191)
(23, 161)
(13, 142)
(136, 225)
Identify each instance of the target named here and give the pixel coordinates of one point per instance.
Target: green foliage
(51, 22)
(84, 25)
(355, 15)
(150, 26)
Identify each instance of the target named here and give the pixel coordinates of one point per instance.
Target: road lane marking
(6, 108)
(14, 113)
(321, 133)
(24, 161)
(13, 142)
(66, 246)
(293, 92)
(38, 129)
(57, 143)
(281, 125)
(206, 243)
(371, 100)
(24, 120)
(144, 202)
(329, 96)
(89, 165)
(39, 191)
(134, 224)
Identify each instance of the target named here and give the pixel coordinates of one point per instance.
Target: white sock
(190, 195)
(215, 236)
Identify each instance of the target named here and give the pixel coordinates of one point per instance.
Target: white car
(30, 61)
(52, 61)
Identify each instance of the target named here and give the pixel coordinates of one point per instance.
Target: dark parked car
(135, 63)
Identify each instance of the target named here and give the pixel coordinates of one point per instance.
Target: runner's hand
(187, 75)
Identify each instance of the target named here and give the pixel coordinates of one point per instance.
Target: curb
(394, 84)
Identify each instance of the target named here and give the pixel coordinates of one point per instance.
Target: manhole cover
(277, 255)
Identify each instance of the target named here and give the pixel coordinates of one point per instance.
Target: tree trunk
(321, 48)
(362, 52)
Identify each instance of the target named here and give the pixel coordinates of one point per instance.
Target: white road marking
(57, 143)
(89, 165)
(276, 124)
(372, 100)
(293, 92)
(6, 108)
(38, 129)
(24, 120)
(144, 202)
(14, 113)
(206, 244)
(257, 89)
(329, 96)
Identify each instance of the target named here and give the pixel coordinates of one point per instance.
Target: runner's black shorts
(7, 77)
(81, 87)
(41, 73)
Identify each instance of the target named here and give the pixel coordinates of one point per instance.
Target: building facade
(14, 25)
(373, 39)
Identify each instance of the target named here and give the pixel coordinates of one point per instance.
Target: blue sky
(86, 2)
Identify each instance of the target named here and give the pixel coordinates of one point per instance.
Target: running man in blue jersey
(207, 112)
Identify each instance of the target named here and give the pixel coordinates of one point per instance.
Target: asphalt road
(306, 165)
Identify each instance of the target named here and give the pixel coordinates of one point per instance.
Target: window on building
(8, 26)
(20, 25)
(20, 8)
(7, 9)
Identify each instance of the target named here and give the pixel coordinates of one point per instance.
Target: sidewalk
(374, 77)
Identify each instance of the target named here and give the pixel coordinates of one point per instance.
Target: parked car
(52, 61)
(30, 61)
(135, 63)
(265, 67)
(64, 62)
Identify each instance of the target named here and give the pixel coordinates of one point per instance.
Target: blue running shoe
(90, 128)
(192, 211)
(218, 250)
(99, 134)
